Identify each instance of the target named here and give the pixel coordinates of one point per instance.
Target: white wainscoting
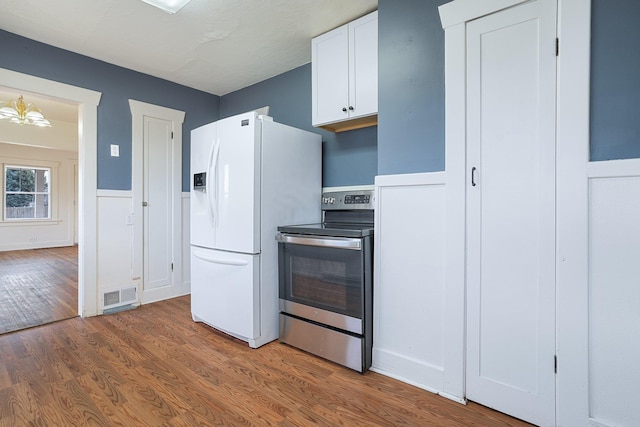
(186, 243)
(115, 243)
(614, 292)
(410, 324)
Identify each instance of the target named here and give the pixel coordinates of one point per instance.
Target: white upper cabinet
(345, 75)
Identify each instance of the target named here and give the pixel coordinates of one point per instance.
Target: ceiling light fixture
(171, 6)
(17, 111)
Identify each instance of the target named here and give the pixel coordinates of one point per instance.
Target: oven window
(326, 278)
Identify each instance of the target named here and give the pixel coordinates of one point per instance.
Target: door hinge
(557, 46)
(555, 364)
(172, 131)
(171, 266)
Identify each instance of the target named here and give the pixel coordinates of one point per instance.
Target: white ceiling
(217, 46)
(53, 109)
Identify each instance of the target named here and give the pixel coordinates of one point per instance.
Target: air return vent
(119, 297)
(111, 298)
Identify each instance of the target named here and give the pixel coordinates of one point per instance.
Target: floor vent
(119, 297)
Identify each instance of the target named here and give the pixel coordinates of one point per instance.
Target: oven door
(323, 279)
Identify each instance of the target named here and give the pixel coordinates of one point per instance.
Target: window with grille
(27, 193)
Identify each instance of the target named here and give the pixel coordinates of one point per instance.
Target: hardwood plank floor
(155, 366)
(37, 286)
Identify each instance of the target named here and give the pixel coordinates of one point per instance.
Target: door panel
(363, 66)
(330, 65)
(157, 193)
(202, 221)
(236, 178)
(511, 211)
(227, 289)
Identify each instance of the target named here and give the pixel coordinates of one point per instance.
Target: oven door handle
(325, 242)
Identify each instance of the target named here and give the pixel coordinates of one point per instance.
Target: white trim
(186, 195)
(462, 11)
(427, 178)
(114, 193)
(455, 165)
(415, 384)
(140, 110)
(574, 17)
(614, 168)
(157, 111)
(348, 188)
(87, 101)
(572, 385)
(15, 80)
(30, 223)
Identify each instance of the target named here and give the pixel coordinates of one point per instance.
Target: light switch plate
(115, 150)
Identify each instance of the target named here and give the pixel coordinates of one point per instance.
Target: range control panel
(363, 199)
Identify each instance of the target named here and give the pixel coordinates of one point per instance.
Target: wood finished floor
(153, 366)
(37, 286)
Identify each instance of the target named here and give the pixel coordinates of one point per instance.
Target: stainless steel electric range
(326, 281)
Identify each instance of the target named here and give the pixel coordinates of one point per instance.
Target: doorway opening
(38, 218)
(86, 103)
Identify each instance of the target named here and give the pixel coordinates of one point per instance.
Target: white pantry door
(511, 84)
(158, 200)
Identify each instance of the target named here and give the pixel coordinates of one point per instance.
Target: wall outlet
(115, 150)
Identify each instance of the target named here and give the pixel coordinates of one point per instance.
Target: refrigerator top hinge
(555, 364)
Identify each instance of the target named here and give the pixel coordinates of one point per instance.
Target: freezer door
(202, 153)
(225, 291)
(236, 176)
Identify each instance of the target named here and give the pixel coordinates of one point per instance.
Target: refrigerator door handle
(212, 187)
(208, 184)
(234, 262)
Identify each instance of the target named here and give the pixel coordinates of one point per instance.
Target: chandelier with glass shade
(17, 111)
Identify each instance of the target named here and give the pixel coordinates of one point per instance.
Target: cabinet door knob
(344, 109)
(350, 108)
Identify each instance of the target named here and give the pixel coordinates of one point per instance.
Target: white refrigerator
(249, 174)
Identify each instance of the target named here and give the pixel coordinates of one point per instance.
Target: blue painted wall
(410, 135)
(615, 80)
(117, 85)
(411, 87)
(349, 158)
(410, 132)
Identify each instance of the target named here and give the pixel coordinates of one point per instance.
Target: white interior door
(157, 203)
(511, 211)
